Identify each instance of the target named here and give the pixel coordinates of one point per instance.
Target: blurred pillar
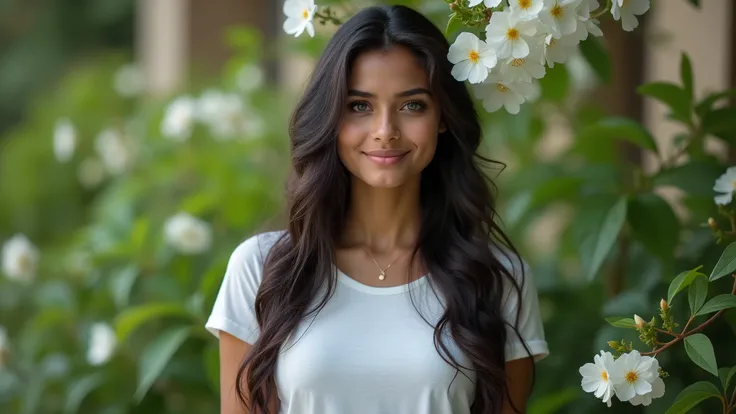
(175, 37)
(161, 43)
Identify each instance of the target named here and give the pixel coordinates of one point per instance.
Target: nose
(386, 128)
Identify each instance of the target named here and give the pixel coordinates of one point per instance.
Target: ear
(443, 127)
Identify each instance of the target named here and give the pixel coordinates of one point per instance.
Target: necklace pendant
(382, 276)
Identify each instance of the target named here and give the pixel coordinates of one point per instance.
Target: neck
(383, 219)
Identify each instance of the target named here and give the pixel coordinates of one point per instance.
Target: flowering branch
(685, 333)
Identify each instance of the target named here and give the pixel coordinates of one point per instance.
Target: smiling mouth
(386, 157)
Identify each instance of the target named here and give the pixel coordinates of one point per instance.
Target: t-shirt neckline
(374, 290)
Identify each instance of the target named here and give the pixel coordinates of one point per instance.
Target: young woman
(393, 291)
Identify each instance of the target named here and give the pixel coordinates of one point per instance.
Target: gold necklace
(382, 274)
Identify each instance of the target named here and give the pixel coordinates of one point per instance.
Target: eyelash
(422, 106)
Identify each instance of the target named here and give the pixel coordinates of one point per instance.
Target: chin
(385, 180)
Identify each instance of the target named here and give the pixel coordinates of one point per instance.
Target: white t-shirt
(369, 350)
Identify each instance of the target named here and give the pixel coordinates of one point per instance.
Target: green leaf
(721, 123)
(725, 374)
(671, 95)
(453, 24)
(121, 283)
(686, 75)
(692, 396)
(620, 322)
(682, 281)
(79, 389)
(654, 224)
(130, 319)
(695, 177)
(700, 351)
(726, 263)
(555, 83)
(725, 301)
(597, 57)
(212, 365)
(696, 294)
(156, 356)
(598, 225)
(620, 128)
(705, 105)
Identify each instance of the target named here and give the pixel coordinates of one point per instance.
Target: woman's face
(389, 128)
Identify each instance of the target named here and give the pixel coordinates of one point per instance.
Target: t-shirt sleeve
(529, 326)
(234, 308)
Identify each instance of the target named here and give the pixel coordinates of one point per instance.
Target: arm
(232, 353)
(519, 374)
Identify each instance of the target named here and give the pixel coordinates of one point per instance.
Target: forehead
(395, 69)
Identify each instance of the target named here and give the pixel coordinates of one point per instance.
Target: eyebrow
(410, 92)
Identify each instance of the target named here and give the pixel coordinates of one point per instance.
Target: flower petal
(723, 199)
(461, 71)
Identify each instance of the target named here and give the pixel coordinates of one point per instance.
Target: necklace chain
(382, 274)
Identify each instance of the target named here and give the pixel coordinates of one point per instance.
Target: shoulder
(255, 248)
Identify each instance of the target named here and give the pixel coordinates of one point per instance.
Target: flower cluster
(521, 40)
(225, 114)
(631, 377)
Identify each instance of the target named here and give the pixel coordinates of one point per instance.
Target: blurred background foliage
(627, 213)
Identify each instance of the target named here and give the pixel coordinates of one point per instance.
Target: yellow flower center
(473, 56)
(631, 377)
(557, 11)
(604, 375)
(501, 88)
(518, 62)
(512, 34)
(552, 42)
(305, 13)
(525, 4)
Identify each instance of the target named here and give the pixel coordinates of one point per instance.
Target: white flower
(179, 118)
(90, 172)
(725, 184)
(509, 34)
(646, 399)
(627, 10)
(129, 81)
(639, 321)
(497, 92)
(633, 374)
(472, 58)
(65, 140)
(102, 343)
(299, 16)
(487, 3)
(115, 149)
(586, 7)
(526, 9)
(559, 50)
(597, 377)
(525, 69)
(560, 17)
(249, 78)
(20, 258)
(188, 234)
(226, 114)
(587, 27)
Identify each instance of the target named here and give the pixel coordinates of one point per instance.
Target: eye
(359, 106)
(415, 106)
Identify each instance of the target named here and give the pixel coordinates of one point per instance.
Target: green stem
(602, 11)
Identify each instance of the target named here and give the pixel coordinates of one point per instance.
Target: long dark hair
(459, 241)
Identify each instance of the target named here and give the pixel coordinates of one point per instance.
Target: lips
(386, 157)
